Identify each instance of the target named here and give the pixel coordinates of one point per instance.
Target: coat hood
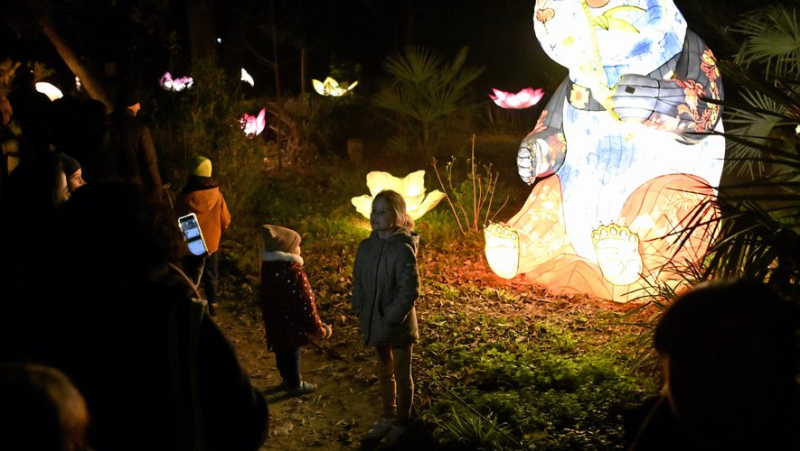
(204, 199)
(410, 238)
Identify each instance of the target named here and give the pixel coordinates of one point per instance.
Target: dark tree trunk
(202, 34)
(90, 83)
(233, 23)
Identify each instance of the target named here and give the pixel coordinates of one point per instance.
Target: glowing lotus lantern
(49, 90)
(247, 78)
(411, 187)
(177, 84)
(332, 88)
(254, 125)
(523, 99)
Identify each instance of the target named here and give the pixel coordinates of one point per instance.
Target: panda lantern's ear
(597, 3)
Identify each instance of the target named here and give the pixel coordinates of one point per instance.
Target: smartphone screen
(193, 234)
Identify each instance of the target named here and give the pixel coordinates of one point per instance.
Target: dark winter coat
(142, 357)
(287, 301)
(131, 156)
(385, 289)
(212, 212)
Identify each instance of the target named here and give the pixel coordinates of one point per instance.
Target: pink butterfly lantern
(254, 125)
(523, 99)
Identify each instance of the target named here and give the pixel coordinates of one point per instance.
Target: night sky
(346, 33)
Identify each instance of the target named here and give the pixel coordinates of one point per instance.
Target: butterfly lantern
(411, 187)
(332, 88)
(177, 84)
(521, 100)
(254, 125)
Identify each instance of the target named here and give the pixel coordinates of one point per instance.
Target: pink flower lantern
(254, 125)
(523, 99)
(177, 84)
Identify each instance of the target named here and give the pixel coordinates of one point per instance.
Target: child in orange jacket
(202, 197)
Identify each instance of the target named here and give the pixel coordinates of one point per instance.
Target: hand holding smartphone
(193, 235)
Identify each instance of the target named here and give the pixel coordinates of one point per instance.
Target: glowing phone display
(192, 234)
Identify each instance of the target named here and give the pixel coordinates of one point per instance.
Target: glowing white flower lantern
(332, 88)
(254, 125)
(411, 187)
(49, 90)
(624, 157)
(247, 78)
(526, 98)
(177, 84)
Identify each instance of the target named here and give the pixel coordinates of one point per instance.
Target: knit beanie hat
(69, 164)
(128, 96)
(200, 167)
(277, 238)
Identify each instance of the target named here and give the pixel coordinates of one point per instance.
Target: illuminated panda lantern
(622, 155)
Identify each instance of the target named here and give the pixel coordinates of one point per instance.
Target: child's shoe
(302, 389)
(379, 430)
(393, 437)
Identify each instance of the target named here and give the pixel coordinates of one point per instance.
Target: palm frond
(772, 39)
(414, 64)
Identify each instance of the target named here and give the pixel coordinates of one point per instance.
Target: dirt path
(341, 410)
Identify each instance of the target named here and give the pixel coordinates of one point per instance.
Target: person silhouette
(729, 358)
(41, 409)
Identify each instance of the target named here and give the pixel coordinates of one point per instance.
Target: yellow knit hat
(200, 167)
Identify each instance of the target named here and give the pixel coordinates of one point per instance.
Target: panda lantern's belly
(607, 160)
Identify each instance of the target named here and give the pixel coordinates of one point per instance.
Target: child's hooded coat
(385, 289)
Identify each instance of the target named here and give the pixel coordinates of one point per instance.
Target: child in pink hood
(288, 305)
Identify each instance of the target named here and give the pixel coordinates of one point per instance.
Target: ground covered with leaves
(500, 364)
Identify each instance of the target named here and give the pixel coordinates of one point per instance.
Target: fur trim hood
(278, 256)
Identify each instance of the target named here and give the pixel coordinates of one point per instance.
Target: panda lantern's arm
(542, 152)
(679, 104)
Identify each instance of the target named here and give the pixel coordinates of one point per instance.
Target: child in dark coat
(288, 305)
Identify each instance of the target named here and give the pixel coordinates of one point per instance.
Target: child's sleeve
(407, 283)
(357, 298)
(307, 308)
(225, 216)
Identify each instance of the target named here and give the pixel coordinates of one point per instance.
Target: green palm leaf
(773, 39)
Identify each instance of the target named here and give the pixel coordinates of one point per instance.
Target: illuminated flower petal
(331, 87)
(254, 125)
(363, 205)
(523, 99)
(411, 187)
(247, 78)
(176, 85)
(49, 90)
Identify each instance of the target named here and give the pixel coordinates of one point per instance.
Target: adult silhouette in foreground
(729, 359)
(115, 314)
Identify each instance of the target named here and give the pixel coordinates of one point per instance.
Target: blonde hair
(398, 206)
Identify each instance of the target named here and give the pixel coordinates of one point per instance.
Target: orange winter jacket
(211, 210)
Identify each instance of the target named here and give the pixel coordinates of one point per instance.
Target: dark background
(351, 38)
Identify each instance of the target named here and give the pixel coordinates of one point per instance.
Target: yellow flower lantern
(332, 88)
(411, 187)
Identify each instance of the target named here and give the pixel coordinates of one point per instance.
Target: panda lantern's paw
(618, 254)
(502, 249)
